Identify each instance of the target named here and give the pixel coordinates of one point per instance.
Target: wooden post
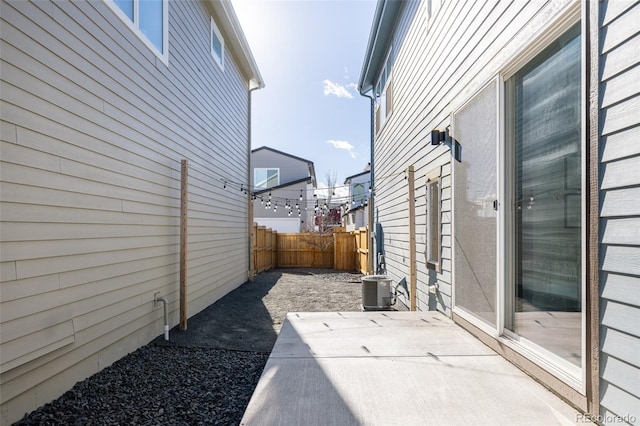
(412, 238)
(184, 175)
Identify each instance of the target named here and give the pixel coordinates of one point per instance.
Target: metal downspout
(372, 266)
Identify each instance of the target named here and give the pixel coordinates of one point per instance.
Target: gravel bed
(207, 374)
(160, 386)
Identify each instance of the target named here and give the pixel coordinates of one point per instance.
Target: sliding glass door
(543, 121)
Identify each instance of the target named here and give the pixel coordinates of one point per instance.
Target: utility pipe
(166, 314)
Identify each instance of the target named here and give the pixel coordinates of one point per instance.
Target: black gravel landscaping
(160, 386)
(206, 374)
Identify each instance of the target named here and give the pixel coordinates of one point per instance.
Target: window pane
(266, 178)
(216, 46)
(260, 178)
(546, 98)
(272, 178)
(358, 192)
(151, 21)
(126, 6)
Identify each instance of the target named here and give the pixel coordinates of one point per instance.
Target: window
(266, 178)
(434, 210)
(148, 19)
(358, 193)
(384, 93)
(217, 45)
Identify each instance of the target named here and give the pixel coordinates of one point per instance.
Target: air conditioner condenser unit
(376, 292)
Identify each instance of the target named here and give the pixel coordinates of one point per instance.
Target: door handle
(495, 205)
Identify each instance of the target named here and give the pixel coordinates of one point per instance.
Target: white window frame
(134, 25)
(216, 31)
(255, 171)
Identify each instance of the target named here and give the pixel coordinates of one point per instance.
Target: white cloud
(343, 145)
(331, 88)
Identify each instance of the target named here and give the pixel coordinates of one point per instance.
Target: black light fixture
(438, 137)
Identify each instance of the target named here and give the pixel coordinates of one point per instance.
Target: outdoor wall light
(438, 137)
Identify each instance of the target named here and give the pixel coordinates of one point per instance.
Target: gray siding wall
(402, 142)
(93, 128)
(620, 210)
(292, 193)
(291, 169)
(445, 51)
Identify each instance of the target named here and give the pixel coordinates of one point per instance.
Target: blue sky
(310, 54)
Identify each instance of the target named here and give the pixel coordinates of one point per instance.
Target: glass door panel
(544, 123)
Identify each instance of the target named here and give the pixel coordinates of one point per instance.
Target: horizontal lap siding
(291, 169)
(620, 211)
(94, 127)
(442, 59)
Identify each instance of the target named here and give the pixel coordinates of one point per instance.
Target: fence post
(184, 195)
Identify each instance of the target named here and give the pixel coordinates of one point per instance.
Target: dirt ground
(249, 318)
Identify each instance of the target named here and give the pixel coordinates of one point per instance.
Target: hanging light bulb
(301, 195)
(225, 185)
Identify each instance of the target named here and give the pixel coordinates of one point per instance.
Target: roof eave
(384, 20)
(237, 42)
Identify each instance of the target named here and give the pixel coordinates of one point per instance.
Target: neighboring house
(283, 186)
(527, 194)
(355, 212)
(99, 107)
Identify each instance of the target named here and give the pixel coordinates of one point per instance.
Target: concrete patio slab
(394, 368)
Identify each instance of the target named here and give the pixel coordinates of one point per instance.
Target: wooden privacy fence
(346, 251)
(305, 250)
(362, 250)
(265, 255)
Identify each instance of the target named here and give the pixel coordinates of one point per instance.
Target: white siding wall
(94, 126)
(445, 51)
(620, 210)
